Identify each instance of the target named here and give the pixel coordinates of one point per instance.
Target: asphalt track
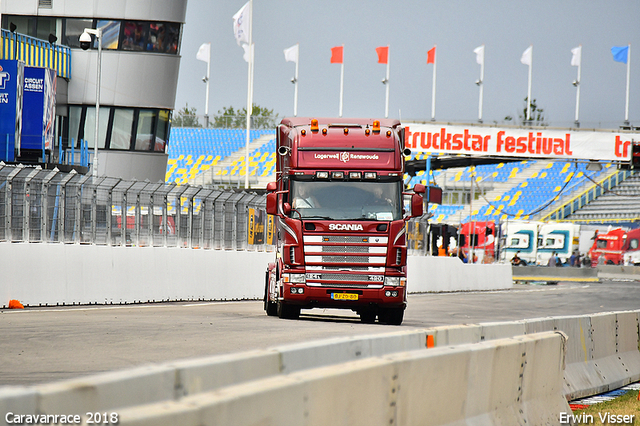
(40, 345)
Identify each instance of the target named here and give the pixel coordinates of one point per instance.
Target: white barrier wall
(57, 274)
(438, 273)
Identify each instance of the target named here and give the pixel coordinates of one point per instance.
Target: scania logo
(345, 227)
(344, 156)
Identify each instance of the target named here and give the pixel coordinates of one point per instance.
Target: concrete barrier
(439, 273)
(73, 274)
(544, 273)
(486, 383)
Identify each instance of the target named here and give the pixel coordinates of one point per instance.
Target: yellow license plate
(344, 296)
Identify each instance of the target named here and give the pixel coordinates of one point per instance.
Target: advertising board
(11, 81)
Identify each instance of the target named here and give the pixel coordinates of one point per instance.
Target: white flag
(577, 56)
(245, 55)
(479, 51)
(204, 53)
(241, 21)
(291, 54)
(527, 56)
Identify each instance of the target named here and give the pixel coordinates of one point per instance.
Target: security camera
(85, 40)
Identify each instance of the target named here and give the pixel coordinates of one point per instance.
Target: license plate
(344, 296)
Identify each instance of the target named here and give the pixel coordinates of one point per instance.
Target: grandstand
(520, 190)
(211, 156)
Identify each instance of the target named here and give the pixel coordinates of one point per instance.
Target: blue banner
(38, 114)
(11, 80)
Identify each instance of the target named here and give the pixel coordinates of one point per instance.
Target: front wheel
(270, 307)
(288, 311)
(391, 316)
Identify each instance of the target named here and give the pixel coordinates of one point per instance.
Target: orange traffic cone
(15, 304)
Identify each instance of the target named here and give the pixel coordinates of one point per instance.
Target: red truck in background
(609, 246)
(478, 238)
(339, 204)
(618, 247)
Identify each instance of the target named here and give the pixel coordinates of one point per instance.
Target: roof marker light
(337, 175)
(370, 175)
(303, 132)
(367, 131)
(322, 175)
(346, 130)
(355, 175)
(324, 131)
(388, 133)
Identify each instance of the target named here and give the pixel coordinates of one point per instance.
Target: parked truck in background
(609, 246)
(339, 203)
(521, 238)
(631, 248)
(477, 240)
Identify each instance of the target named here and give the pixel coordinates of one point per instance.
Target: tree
(186, 117)
(537, 114)
(261, 118)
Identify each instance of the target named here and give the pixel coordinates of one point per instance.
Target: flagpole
(249, 95)
(578, 88)
(481, 87)
(386, 105)
(295, 89)
(626, 105)
(433, 89)
(341, 83)
(206, 102)
(529, 87)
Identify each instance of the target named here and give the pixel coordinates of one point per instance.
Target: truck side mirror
(271, 186)
(419, 188)
(286, 208)
(416, 205)
(435, 195)
(272, 203)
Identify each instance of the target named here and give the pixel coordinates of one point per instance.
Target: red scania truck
(339, 205)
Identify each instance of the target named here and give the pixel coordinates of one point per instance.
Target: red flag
(336, 54)
(383, 54)
(431, 56)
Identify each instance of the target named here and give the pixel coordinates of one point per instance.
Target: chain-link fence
(50, 206)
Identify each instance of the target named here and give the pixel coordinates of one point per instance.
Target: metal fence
(39, 205)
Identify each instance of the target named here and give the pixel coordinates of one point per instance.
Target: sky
(411, 28)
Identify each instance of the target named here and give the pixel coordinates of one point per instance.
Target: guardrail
(36, 53)
(507, 373)
(587, 196)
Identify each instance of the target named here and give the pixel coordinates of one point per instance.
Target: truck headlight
(294, 278)
(395, 281)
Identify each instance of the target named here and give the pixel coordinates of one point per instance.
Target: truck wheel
(391, 316)
(368, 316)
(288, 311)
(270, 307)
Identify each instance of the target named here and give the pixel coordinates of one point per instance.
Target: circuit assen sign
(511, 142)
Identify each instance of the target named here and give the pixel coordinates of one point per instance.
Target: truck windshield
(380, 201)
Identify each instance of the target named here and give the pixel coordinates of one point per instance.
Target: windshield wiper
(318, 217)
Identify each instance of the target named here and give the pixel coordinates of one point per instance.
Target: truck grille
(337, 260)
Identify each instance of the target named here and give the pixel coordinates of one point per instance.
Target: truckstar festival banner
(515, 142)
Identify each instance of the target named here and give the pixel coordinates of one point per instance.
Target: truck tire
(367, 316)
(270, 307)
(391, 316)
(287, 311)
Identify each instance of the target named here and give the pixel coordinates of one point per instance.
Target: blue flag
(620, 53)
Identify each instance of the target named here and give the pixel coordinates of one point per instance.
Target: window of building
(74, 125)
(90, 126)
(72, 30)
(162, 132)
(110, 34)
(122, 127)
(45, 26)
(146, 126)
(135, 35)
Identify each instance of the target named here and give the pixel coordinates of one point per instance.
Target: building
(140, 65)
